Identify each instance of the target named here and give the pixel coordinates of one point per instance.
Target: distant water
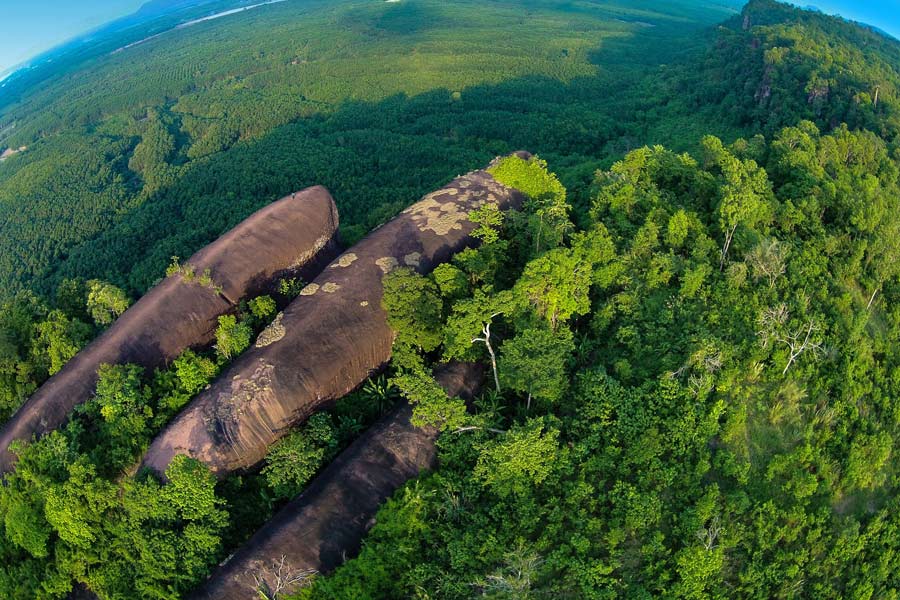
(201, 20)
(226, 13)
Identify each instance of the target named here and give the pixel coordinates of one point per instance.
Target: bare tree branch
(283, 578)
(476, 428)
(872, 299)
(486, 340)
(798, 341)
(709, 534)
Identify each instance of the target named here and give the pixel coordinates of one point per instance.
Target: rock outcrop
(328, 341)
(296, 234)
(325, 524)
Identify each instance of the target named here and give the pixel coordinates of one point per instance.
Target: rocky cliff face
(325, 524)
(296, 234)
(326, 342)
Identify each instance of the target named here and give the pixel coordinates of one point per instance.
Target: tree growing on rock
(413, 304)
(431, 405)
(232, 337)
(105, 302)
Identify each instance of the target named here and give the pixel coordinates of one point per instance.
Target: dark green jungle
(696, 315)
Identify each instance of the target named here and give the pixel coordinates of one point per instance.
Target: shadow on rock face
(329, 340)
(294, 235)
(325, 525)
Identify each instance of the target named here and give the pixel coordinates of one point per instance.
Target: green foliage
(794, 64)
(188, 275)
(193, 371)
(414, 307)
(451, 281)
(57, 340)
(121, 412)
(262, 310)
(728, 428)
(557, 286)
(71, 513)
(715, 341)
(535, 363)
(221, 118)
(70, 298)
(293, 461)
(176, 268)
(521, 459)
(105, 302)
(489, 219)
(174, 387)
(467, 322)
(150, 156)
(290, 287)
(544, 222)
(431, 405)
(232, 337)
(530, 177)
(744, 194)
(37, 339)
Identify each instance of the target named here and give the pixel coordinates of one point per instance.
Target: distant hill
(158, 7)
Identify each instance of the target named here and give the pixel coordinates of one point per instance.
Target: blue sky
(28, 27)
(884, 14)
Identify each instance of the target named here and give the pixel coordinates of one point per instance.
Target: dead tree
(872, 299)
(767, 260)
(283, 578)
(798, 341)
(792, 340)
(710, 533)
(729, 236)
(486, 340)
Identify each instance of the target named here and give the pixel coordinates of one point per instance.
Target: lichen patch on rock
(344, 261)
(442, 218)
(225, 414)
(330, 287)
(412, 259)
(310, 290)
(387, 264)
(271, 334)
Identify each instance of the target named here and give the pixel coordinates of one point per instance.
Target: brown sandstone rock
(325, 524)
(293, 235)
(328, 341)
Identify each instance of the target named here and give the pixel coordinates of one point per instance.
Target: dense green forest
(695, 393)
(153, 151)
(690, 331)
(76, 511)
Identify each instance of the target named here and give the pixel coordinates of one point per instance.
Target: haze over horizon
(883, 14)
(569, 298)
(29, 28)
(26, 31)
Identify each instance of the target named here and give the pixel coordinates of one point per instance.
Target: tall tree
(534, 363)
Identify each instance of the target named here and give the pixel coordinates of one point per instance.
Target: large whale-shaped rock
(328, 341)
(325, 524)
(296, 234)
